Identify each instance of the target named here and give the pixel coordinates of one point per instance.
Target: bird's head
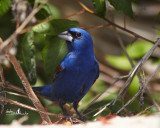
(77, 39)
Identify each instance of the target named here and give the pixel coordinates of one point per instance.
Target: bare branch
(28, 107)
(13, 87)
(143, 88)
(28, 87)
(16, 94)
(96, 27)
(8, 44)
(136, 69)
(75, 14)
(98, 96)
(113, 24)
(22, 26)
(1, 75)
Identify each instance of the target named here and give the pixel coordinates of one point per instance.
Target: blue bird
(76, 73)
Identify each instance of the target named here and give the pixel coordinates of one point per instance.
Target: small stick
(21, 27)
(113, 24)
(136, 68)
(140, 90)
(98, 96)
(75, 14)
(16, 94)
(28, 88)
(27, 107)
(1, 75)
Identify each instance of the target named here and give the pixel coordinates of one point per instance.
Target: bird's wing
(97, 73)
(91, 77)
(58, 70)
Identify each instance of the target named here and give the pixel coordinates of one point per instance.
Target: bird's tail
(44, 91)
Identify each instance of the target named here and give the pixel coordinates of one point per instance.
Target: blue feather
(79, 70)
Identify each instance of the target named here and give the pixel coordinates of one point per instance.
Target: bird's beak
(66, 36)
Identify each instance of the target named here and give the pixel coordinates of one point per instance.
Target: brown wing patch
(59, 68)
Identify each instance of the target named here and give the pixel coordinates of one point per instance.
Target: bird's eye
(78, 35)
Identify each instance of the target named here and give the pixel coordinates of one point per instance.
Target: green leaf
(124, 6)
(60, 25)
(100, 7)
(134, 86)
(53, 53)
(42, 28)
(55, 26)
(39, 40)
(120, 62)
(4, 6)
(138, 49)
(48, 10)
(25, 55)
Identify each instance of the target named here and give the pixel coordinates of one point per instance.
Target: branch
(22, 26)
(51, 18)
(111, 23)
(8, 44)
(138, 74)
(28, 88)
(136, 69)
(1, 75)
(98, 96)
(143, 88)
(75, 14)
(27, 107)
(96, 27)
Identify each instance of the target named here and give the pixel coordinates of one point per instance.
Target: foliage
(100, 7)
(124, 6)
(55, 26)
(26, 56)
(135, 51)
(53, 53)
(4, 6)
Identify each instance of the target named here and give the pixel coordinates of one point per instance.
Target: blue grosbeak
(76, 73)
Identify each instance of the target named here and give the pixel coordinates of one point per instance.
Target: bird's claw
(69, 118)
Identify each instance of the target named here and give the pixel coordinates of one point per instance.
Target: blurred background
(113, 62)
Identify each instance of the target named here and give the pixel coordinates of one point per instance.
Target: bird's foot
(81, 116)
(69, 118)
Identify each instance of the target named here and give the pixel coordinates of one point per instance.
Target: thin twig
(12, 87)
(16, 94)
(15, 88)
(84, 7)
(98, 96)
(75, 14)
(143, 88)
(96, 27)
(51, 18)
(7, 43)
(153, 101)
(28, 88)
(122, 45)
(2, 91)
(21, 27)
(113, 24)
(144, 111)
(1, 75)
(132, 64)
(125, 52)
(136, 68)
(102, 108)
(28, 107)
